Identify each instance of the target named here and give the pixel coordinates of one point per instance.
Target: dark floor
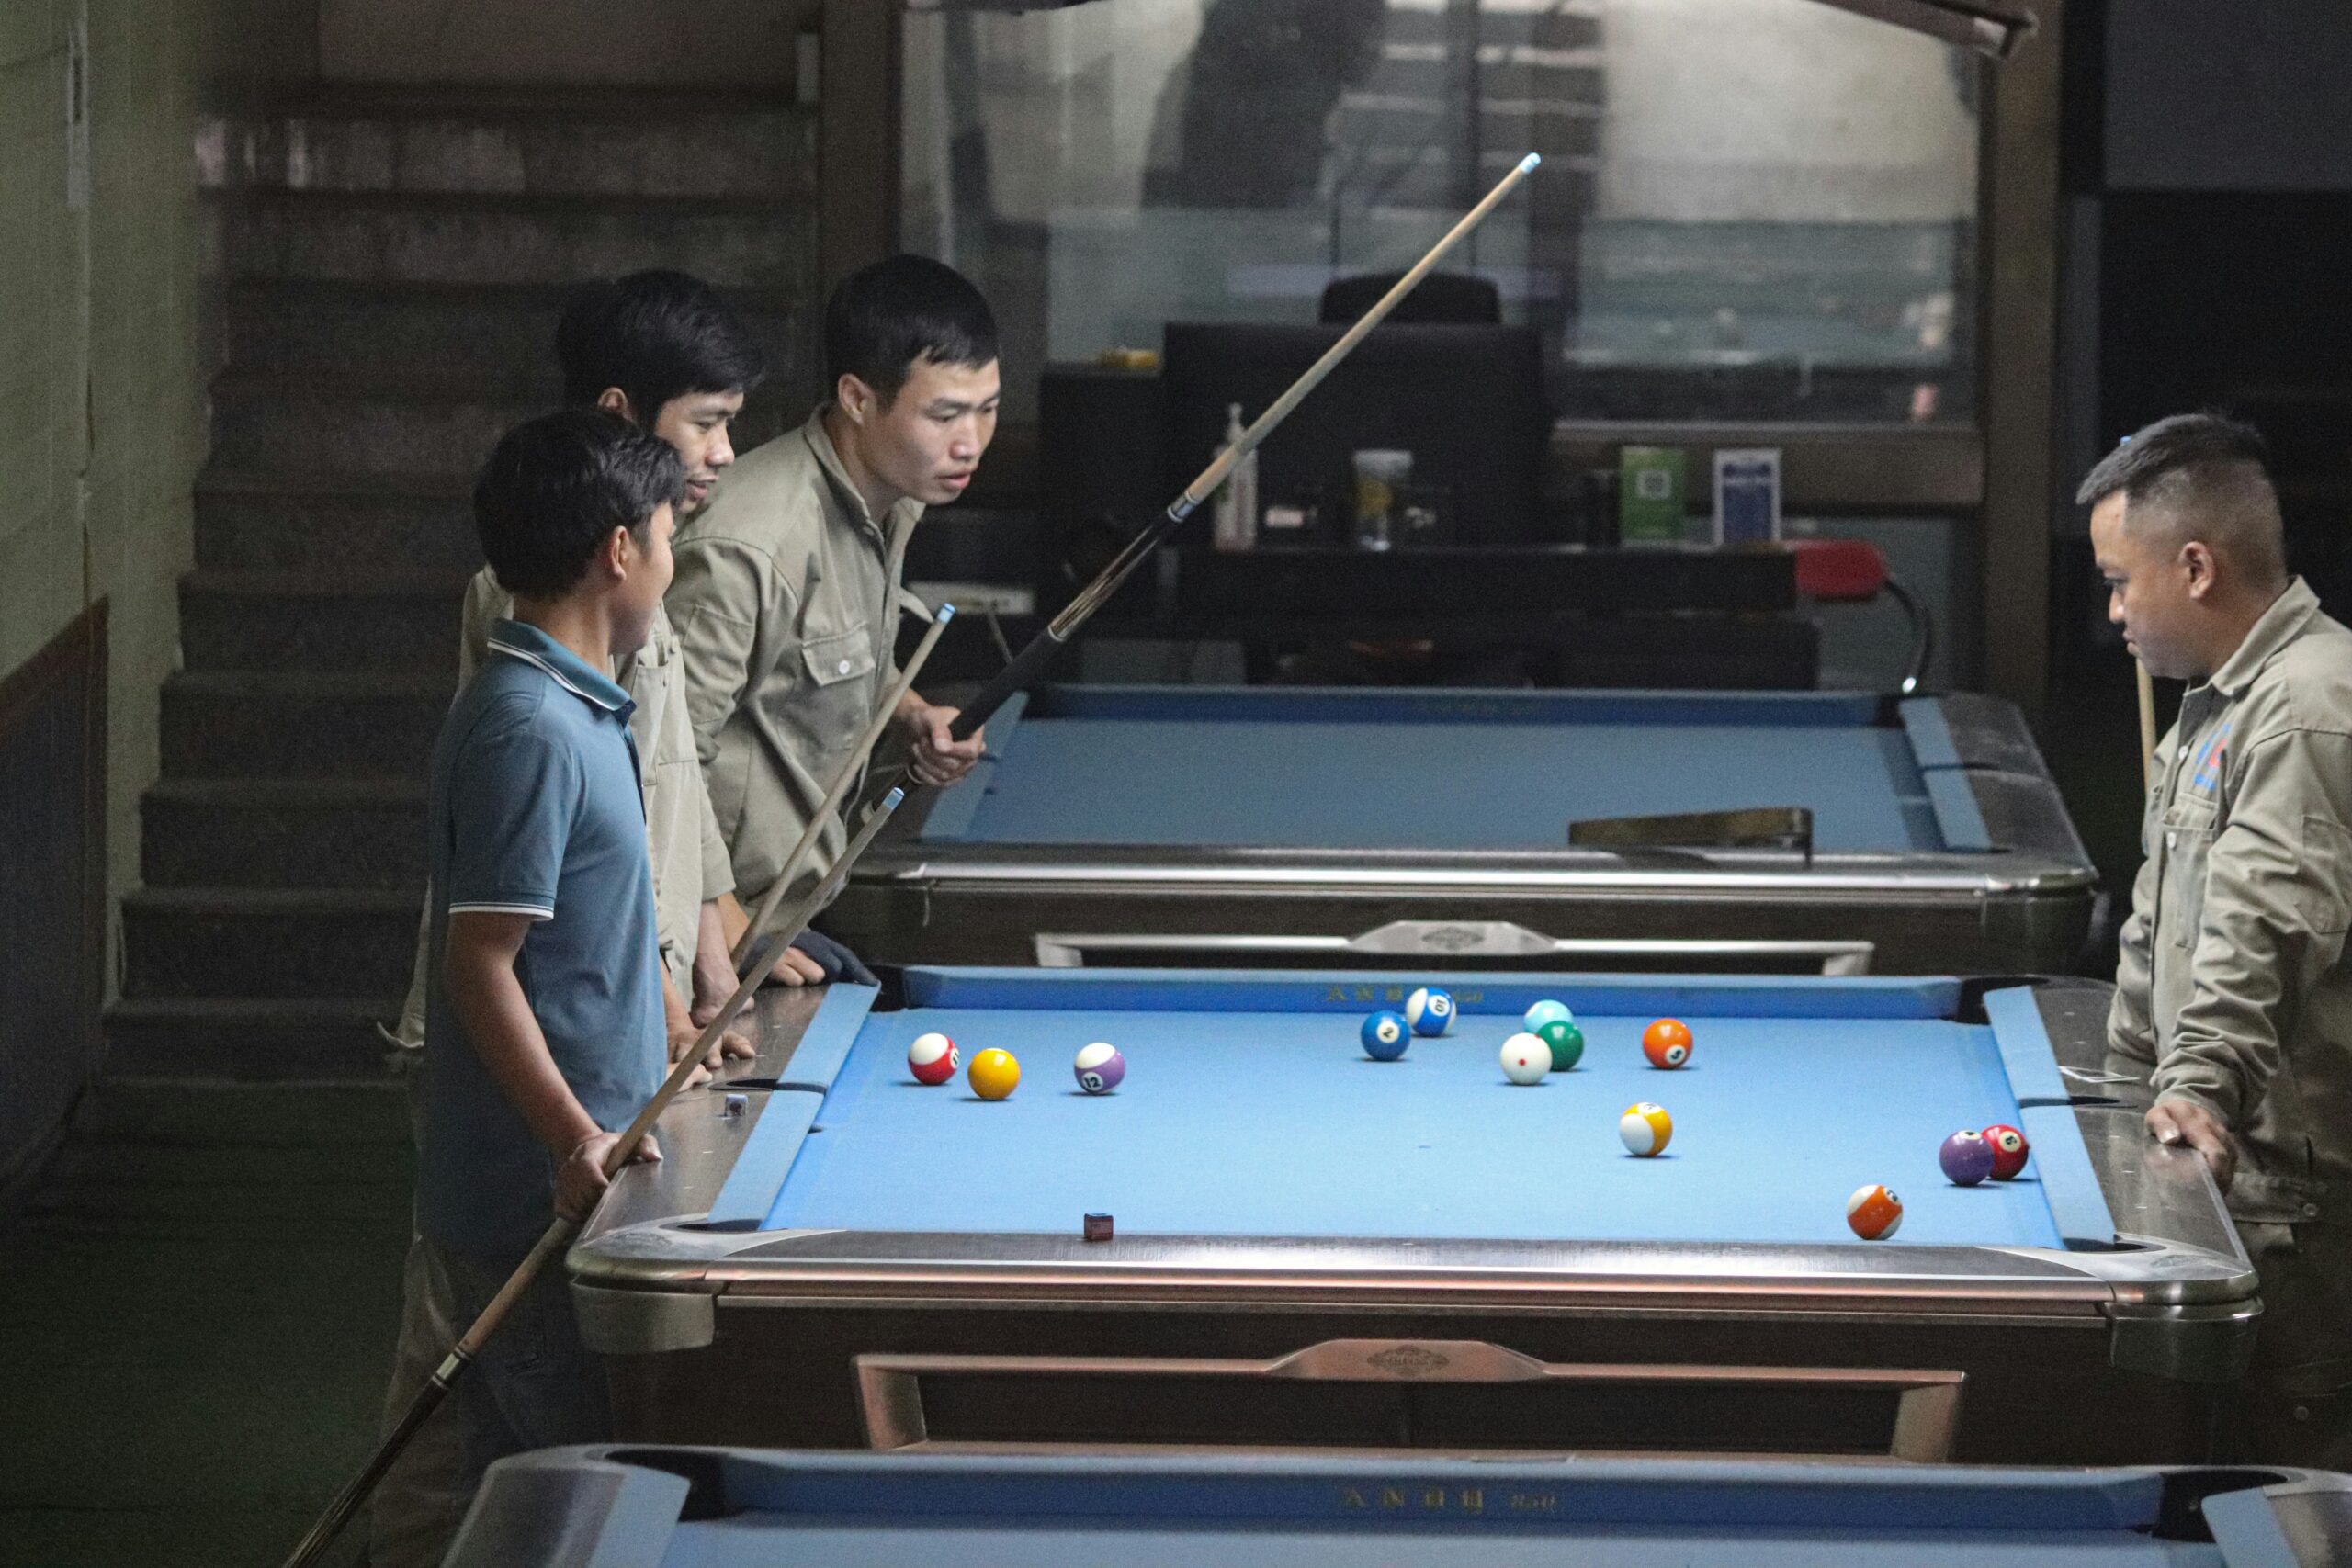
(196, 1318)
(201, 1299)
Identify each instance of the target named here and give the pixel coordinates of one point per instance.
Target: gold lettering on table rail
(1431, 1500)
(1337, 994)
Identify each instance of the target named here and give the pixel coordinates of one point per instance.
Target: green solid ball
(1566, 1042)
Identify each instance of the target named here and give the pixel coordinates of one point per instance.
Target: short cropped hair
(657, 336)
(886, 317)
(2198, 476)
(556, 488)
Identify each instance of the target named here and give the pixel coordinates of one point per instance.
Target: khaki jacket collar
(828, 458)
(2281, 624)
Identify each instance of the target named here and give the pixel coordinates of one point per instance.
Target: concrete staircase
(395, 260)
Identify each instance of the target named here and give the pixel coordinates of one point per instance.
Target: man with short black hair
(2235, 997)
(788, 593)
(662, 350)
(545, 1032)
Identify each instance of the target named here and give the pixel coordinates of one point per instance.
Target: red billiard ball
(933, 1058)
(1667, 1043)
(2010, 1150)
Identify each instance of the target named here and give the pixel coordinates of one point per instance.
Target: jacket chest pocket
(838, 668)
(2187, 832)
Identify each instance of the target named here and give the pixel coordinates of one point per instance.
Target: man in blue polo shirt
(545, 1031)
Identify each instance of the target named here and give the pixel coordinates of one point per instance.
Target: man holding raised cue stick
(765, 945)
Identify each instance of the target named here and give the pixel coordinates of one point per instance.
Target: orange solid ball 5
(1667, 1043)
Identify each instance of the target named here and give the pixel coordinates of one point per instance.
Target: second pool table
(688, 1507)
(1312, 1249)
(1223, 826)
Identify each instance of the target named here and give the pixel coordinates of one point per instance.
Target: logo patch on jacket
(2206, 778)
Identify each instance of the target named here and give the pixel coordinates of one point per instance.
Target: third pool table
(1223, 826)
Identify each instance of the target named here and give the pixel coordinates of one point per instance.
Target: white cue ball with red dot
(933, 1058)
(1526, 1059)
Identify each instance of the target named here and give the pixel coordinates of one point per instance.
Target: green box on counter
(1652, 495)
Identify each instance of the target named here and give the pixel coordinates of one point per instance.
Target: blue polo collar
(519, 640)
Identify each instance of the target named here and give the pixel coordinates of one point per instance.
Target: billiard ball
(993, 1074)
(2010, 1150)
(1874, 1212)
(1543, 1012)
(1645, 1128)
(1526, 1059)
(1429, 1011)
(1385, 1036)
(933, 1058)
(1566, 1042)
(1100, 1067)
(1966, 1158)
(1667, 1043)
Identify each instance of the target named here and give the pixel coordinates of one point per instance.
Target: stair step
(258, 521)
(608, 143)
(353, 833)
(216, 942)
(236, 724)
(390, 424)
(372, 238)
(493, 330)
(156, 1044)
(288, 621)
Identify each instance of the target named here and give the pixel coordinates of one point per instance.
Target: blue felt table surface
(1275, 1123)
(1343, 783)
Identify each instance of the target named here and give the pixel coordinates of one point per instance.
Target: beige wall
(737, 43)
(102, 404)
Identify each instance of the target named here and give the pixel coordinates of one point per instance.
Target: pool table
(700, 1507)
(1230, 827)
(1311, 1249)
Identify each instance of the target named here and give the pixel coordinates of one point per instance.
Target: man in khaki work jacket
(2235, 997)
(788, 595)
(662, 350)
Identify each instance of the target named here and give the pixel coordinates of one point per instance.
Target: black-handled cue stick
(841, 786)
(560, 1232)
(1032, 660)
(1025, 668)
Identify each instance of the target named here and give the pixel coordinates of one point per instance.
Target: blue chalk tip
(944, 614)
(1529, 162)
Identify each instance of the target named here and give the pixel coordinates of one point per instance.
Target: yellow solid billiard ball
(993, 1074)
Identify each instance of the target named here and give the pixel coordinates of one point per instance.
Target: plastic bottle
(1237, 499)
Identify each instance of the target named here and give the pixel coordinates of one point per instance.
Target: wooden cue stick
(560, 1232)
(1031, 660)
(842, 785)
(1012, 678)
(2147, 727)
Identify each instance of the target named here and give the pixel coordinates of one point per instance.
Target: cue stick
(1033, 660)
(1012, 678)
(2147, 727)
(834, 797)
(560, 1232)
